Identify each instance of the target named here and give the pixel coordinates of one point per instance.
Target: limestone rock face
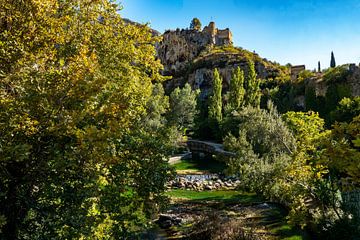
(190, 56)
(200, 73)
(180, 47)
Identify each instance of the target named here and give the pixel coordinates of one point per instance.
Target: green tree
(308, 128)
(305, 75)
(343, 153)
(336, 74)
(252, 86)
(310, 99)
(215, 102)
(263, 146)
(332, 61)
(334, 94)
(319, 67)
(156, 108)
(236, 92)
(347, 109)
(183, 108)
(76, 161)
(278, 156)
(195, 24)
(306, 187)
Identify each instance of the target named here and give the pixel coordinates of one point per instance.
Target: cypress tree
(319, 66)
(237, 91)
(252, 86)
(332, 61)
(215, 105)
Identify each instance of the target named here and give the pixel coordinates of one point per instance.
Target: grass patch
(224, 195)
(275, 221)
(200, 165)
(288, 232)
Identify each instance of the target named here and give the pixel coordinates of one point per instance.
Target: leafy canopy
(76, 161)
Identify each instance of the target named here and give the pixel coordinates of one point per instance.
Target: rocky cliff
(190, 56)
(178, 48)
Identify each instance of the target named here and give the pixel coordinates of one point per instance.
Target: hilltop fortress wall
(180, 47)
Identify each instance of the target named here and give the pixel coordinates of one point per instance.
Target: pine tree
(237, 91)
(215, 105)
(252, 87)
(195, 24)
(332, 61)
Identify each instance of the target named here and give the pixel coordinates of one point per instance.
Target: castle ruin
(218, 37)
(295, 71)
(180, 47)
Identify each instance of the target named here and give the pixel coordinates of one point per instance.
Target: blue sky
(285, 31)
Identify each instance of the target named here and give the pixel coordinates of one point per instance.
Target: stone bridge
(197, 147)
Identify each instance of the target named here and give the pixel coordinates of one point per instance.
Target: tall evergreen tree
(319, 66)
(332, 61)
(215, 105)
(252, 86)
(237, 91)
(195, 24)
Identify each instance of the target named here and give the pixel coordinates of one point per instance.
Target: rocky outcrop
(180, 47)
(190, 56)
(199, 73)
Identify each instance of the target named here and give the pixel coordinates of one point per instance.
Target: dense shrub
(347, 109)
(334, 94)
(345, 227)
(342, 154)
(279, 157)
(263, 147)
(337, 74)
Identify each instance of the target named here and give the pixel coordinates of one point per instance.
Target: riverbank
(220, 213)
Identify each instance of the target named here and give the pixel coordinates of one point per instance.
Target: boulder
(166, 221)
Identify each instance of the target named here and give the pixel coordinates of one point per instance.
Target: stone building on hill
(180, 47)
(218, 37)
(295, 70)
